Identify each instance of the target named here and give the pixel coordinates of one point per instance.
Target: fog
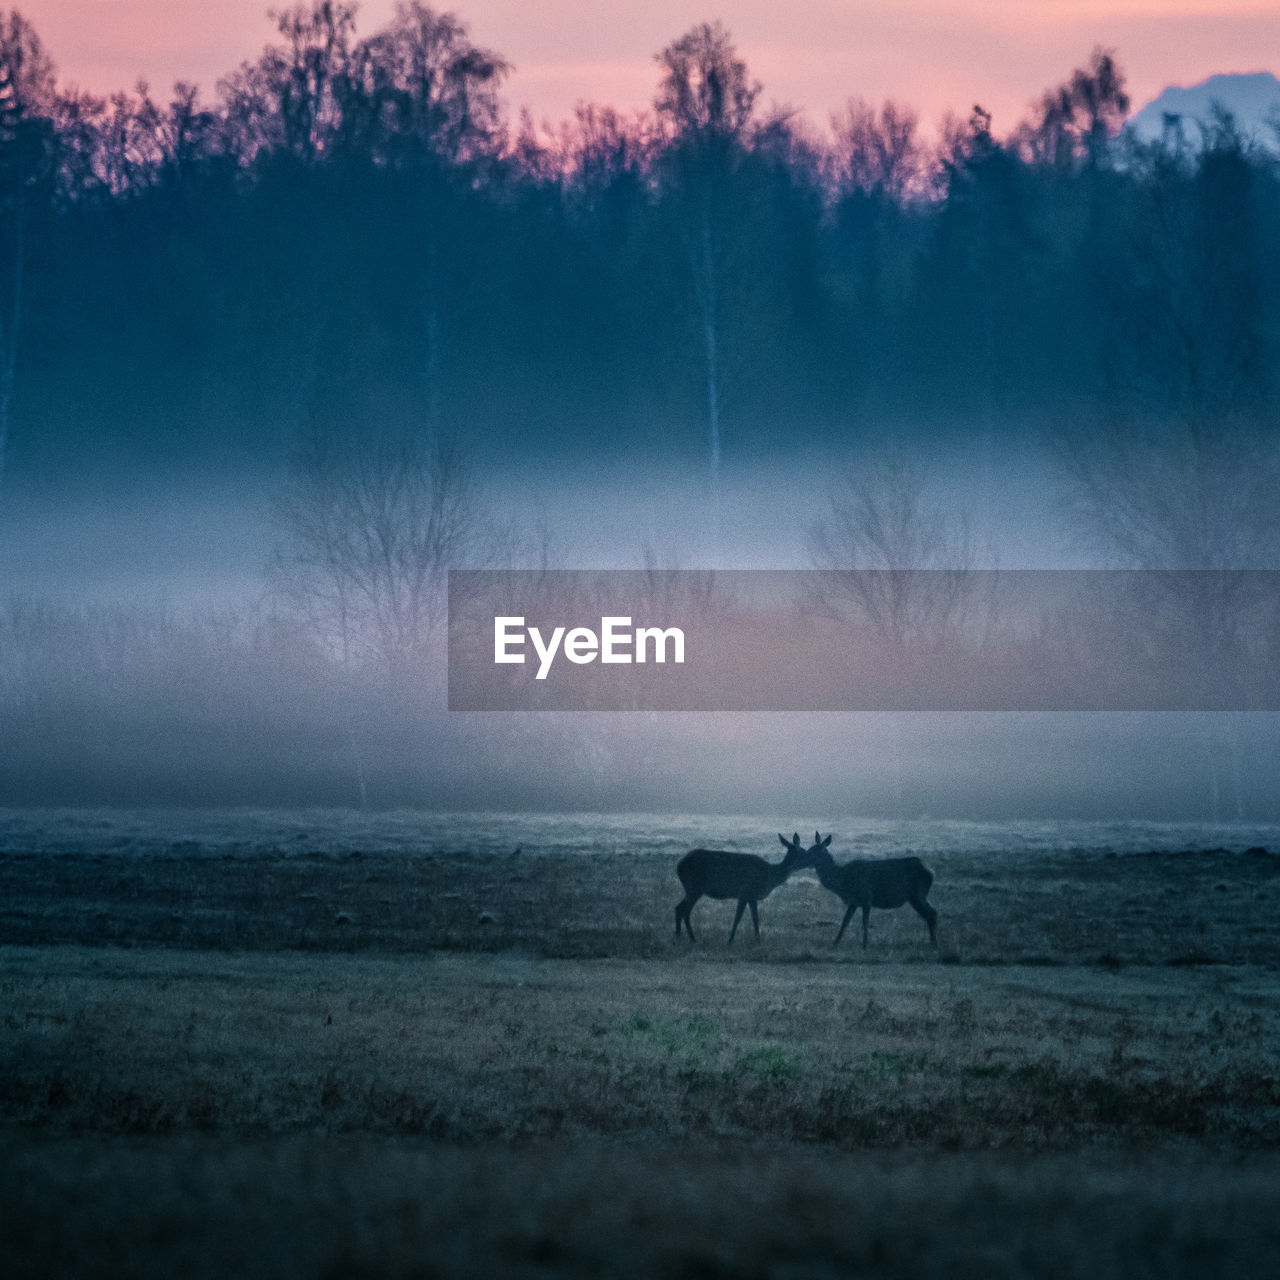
(152, 657)
(202, 538)
(279, 360)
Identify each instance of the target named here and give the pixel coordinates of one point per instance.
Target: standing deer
(713, 873)
(867, 883)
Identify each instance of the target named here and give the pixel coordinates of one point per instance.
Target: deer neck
(825, 866)
(779, 871)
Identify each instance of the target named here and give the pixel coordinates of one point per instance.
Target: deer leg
(742, 906)
(848, 915)
(933, 926)
(928, 915)
(866, 912)
(683, 910)
(755, 919)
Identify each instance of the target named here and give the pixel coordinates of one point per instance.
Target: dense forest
(349, 227)
(346, 269)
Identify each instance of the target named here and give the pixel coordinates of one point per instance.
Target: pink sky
(812, 54)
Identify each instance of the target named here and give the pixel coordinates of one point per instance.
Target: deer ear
(817, 839)
(795, 839)
(786, 844)
(826, 842)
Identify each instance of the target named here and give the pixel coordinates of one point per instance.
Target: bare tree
(601, 148)
(706, 99)
(706, 91)
(1078, 120)
(878, 534)
(878, 518)
(26, 96)
(1187, 496)
(427, 88)
(1185, 476)
(290, 100)
(423, 98)
(371, 526)
(879, 153)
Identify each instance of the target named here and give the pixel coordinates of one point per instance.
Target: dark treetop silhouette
(347, 229)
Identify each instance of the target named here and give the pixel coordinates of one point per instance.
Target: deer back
(720, 874)
(883, 882)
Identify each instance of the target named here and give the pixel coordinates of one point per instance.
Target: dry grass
(1064, 908)
(513, 1048)
(309, 1207)
(504, 1066)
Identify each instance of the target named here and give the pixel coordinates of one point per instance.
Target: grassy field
(463, 1065)
(1071, 907)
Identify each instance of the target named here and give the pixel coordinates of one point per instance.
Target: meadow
(464, 1062)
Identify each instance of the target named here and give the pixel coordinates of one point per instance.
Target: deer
(713, 873)
(885, 883)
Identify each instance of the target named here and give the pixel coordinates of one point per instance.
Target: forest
(349, 229)
(304, 973)
(346, 275)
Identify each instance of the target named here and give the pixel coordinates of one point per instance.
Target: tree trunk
(710, 333)
(9, 333)
(348, 701)
(433, 335)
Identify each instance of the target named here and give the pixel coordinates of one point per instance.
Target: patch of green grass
(676, 1036)
(695, 1079)
(298, 1207)
(983, 1071)
(889, 1067)
(775, 1065)
(468, 1048)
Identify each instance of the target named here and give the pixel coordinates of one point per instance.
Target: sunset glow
(936, 54)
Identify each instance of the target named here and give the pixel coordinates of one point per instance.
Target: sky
(810, 54)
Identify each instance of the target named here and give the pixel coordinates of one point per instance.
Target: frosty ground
(463, 1062)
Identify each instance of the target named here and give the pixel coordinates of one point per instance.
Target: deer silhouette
(881, 882)
(713, 873)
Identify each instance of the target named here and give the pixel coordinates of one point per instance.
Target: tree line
(348, 230)
(348, 257)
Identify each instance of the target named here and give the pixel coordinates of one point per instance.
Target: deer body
(884, 883)
(715, 873)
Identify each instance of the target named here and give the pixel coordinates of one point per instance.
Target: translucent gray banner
(864, 640)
